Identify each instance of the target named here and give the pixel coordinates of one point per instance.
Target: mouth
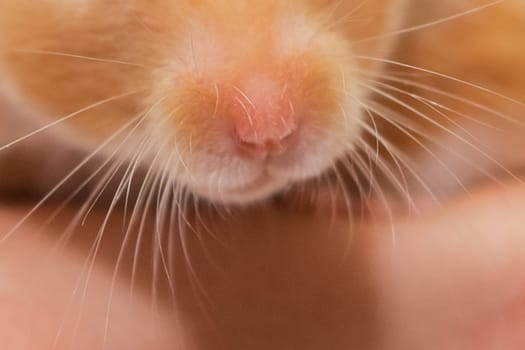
(243, 181)
(263, 186)
(261, 181)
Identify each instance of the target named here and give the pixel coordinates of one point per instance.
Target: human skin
(452, 279)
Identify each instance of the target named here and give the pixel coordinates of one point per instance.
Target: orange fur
(188, 58)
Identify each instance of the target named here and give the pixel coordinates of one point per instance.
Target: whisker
(405, 125)
(81, 57)
(64, 180)
(402, 185)
(185, 228)
(358, 159)
(461, 99)
(99, 189)
(431, 105)
(443, 128)
(143, 118)
(429, 24)
(146, 195)
(69, 116)
(348, 15)
(442, 75)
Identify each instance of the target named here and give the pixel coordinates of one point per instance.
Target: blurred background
(273, 276)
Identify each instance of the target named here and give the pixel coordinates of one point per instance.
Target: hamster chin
(232, 115)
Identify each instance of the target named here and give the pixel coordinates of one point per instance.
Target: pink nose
(263, 117)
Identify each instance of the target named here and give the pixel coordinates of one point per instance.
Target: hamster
(235, 101)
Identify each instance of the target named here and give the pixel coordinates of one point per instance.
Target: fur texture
(161, 84)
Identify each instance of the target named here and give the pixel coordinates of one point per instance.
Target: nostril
(288, 131)
(253, 149)
(265, 148)
(260, 128)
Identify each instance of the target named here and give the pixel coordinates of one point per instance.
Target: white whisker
(69, 116)
(81, 57)
(429, 24)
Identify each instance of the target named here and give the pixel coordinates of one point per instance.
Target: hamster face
(231, 99)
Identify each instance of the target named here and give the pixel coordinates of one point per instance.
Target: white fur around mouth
(260, 188)
(259, 182)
